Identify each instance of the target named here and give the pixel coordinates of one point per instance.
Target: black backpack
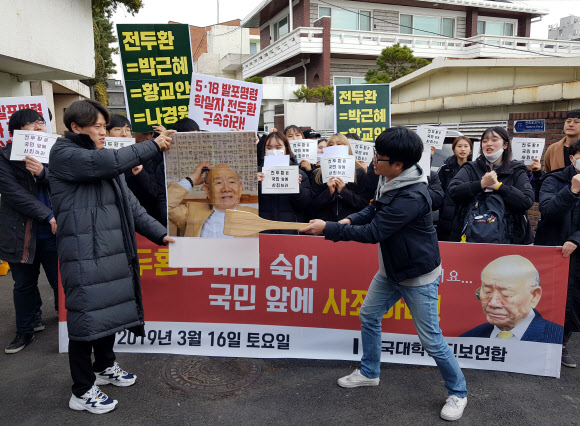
(487, 221)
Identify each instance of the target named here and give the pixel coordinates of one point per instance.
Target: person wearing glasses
(509, 294)
(399, 220)
(27, 226)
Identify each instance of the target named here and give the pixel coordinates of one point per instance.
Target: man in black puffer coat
(97, 250)
(560, 226)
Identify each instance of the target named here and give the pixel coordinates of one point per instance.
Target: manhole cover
(212, 375)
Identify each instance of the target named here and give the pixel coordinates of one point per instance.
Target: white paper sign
(304, 149)
(363, 151)
(425, 161)
(28, 143)
(342, 167)
(276, 160)
(336, 151)
(224, 104)
(432, 135)
(116, 143)
(9, 106)
(476, 149)
(526, 149)
(280, 180)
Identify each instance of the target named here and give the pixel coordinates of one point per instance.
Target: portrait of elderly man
(509, 293)
(192, 218)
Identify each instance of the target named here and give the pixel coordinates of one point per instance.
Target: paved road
(35, 388)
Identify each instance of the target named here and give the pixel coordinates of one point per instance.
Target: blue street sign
(530, 126)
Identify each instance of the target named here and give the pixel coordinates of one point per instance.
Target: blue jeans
(27, 300)
(422, 302)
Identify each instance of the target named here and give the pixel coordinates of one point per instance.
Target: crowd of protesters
(84, 212)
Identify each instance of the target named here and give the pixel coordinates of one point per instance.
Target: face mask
(577, 164)
(274, 152)
(492, 158)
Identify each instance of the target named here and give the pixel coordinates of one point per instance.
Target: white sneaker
(356, 379)
(453, 408)
(115, 376)
(93, 401)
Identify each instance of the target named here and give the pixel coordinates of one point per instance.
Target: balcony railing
(371, 44)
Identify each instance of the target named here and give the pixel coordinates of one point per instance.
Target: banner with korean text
(157, 67)
(304, 303)
(362, 109)
(9, 106)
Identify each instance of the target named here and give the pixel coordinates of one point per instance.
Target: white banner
(363, 151)
(28, 143)
(224, 104)
(281, 180)
(304, 149)
(9, 106)
(432, 135)
(526, 149)
(342, 167)
(275, 341)
(116, 143)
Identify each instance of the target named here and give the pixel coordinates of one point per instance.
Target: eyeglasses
(377, 159)
(39, 122)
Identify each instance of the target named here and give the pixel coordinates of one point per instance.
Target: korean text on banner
(28, 143)
(304, 149)
(280, 180)
(363, 151)
(225, 104)
(526, 149)
(363, 109)
(432, 135)
(303, 304)
(116, 143)
(9, 106)
(157, 68)
(342, 167)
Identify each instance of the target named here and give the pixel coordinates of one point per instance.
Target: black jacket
(516, 192)
(560, 209)
(446, 173)
(286, 207)
(149, 187)
(334, 207)
(97, 217)
(400, 221)
(20, 209)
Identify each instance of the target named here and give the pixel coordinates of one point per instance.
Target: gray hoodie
(412, 175)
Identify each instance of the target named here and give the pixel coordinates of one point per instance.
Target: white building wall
(10, 86)
(224, 39)
(47, 39)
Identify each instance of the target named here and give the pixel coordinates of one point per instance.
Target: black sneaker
(567, 360)
(19, 342)
(39, 326)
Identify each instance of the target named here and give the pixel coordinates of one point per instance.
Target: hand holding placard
(28, 143)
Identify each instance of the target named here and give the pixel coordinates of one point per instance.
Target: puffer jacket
(20, 209)
(97, 218)
(446, 174)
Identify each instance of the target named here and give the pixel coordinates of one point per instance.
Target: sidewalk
(35, 389)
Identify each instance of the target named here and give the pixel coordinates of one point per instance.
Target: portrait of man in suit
(192, 218)
(509, 293)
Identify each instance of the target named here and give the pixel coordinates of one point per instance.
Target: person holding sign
(493, 195)
(399, 220)
(560, 226)
(98, 217)
(336, 199)
(27, 225)
(283, 207)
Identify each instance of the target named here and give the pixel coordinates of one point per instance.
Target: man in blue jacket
(399, 219)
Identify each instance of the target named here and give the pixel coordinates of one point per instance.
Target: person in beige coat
(557, 155)
(223, 190)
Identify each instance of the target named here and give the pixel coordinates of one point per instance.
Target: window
(496, 28)
(426, 25)
(349, 80)
(347, 19)
(253, 48)
(281, 28)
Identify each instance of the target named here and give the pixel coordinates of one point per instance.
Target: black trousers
(82, 369)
